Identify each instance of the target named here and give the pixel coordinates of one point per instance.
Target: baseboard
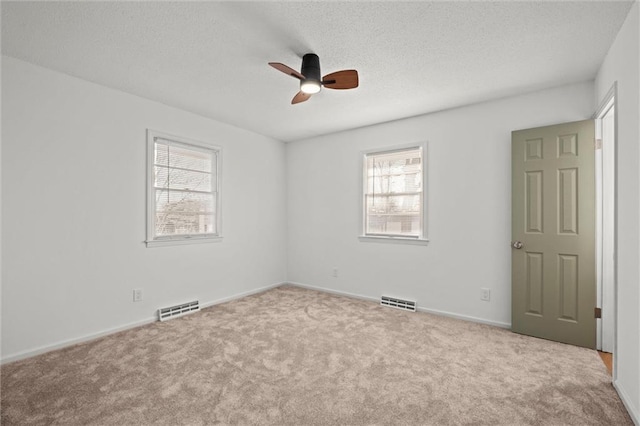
(240, 295)
(336, 292)
(86, 338)
(70, 342)
(420, 309)
(635, 416)
(466, 318)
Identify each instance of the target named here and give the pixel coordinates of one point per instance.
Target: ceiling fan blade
(287, 70)
(345, 79)
(300, 97)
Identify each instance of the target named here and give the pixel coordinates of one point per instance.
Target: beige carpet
(292, 356)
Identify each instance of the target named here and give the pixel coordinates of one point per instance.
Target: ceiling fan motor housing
(311, 67)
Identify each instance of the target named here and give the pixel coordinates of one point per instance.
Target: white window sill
(393, 240)
(182, 241)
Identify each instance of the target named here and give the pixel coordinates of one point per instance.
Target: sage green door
(553, 233)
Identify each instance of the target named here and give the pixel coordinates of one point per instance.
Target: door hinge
(598, 313)
(598, 144)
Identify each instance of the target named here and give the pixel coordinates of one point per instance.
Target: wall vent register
(405, 305)
(178, 310)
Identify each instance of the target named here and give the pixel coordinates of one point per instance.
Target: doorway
(606, 223)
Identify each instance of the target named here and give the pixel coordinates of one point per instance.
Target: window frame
(155, 241)
(363, 236)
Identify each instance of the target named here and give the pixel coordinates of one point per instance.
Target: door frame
(609, 101)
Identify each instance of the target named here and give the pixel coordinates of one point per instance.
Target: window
(393, 195)
(183, 195)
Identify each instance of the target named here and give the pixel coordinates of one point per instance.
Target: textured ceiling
(413, 58)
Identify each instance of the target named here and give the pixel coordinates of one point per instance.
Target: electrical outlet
(137, 295)
(334, 273)
(485, 294)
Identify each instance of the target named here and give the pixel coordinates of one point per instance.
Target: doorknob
(516, 245)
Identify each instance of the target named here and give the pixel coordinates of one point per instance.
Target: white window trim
(422, 239)
(179, 239)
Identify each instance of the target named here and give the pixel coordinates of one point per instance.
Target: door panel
(533, 200)
(553, 215)
(534, 283)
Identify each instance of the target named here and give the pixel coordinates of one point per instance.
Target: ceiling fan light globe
(310, 86)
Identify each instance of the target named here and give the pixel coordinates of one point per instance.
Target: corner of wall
(621, 67)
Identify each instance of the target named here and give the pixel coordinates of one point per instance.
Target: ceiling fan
(310, 81)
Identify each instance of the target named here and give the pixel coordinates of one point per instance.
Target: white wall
(621, 65)
(73, 212)
(469, 214)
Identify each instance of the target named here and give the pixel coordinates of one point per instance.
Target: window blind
(393, 193)
(186, 189)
